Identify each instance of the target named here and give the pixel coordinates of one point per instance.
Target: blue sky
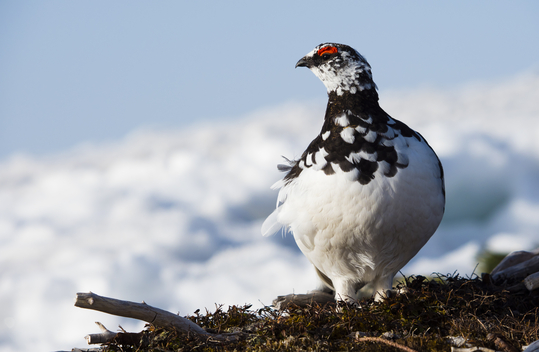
(79, 71)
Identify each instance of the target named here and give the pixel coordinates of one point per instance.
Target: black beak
(302, 63)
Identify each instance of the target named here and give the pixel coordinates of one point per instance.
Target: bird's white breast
(346, 228)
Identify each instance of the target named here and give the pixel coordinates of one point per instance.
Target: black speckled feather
(361, 110)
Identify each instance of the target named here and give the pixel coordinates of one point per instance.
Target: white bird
(367, 193)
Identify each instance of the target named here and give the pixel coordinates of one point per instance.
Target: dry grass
(421, 319)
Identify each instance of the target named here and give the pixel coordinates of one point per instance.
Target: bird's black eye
(325, 52)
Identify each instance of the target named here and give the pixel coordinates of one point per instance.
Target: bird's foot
(349, 304)
(303, 300)
(379, 296)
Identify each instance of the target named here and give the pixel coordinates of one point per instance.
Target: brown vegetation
(431, 315)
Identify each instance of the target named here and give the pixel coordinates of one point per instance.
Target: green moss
(488, 260)
(421, 318)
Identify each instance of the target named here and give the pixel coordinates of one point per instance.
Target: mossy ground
(422, 318)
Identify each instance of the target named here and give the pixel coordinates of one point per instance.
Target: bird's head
(340, 67)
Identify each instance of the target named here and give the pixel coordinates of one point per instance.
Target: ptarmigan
(367, 193)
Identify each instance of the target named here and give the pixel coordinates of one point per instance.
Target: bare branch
(533, 347)
(511, 259)
(532, 281)
(386, 342)
(140, 311)
(105, 335)
(518, 271)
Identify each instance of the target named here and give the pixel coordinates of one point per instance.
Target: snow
(173, 217)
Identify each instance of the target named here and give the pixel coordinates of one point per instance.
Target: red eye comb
(327, 50)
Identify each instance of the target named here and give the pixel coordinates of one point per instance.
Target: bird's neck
(362, 104)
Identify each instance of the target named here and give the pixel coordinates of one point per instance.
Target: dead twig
(384, 341)
(142, 311)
